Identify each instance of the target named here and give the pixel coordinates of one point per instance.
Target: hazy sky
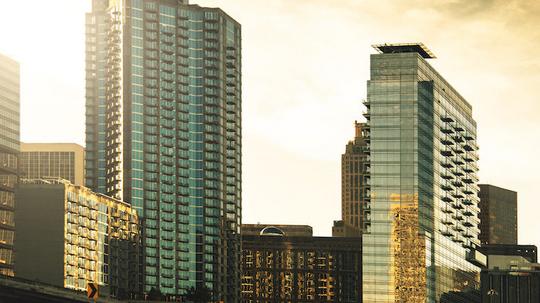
(305, 67)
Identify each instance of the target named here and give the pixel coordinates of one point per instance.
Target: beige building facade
(58, 160)
(90, 237)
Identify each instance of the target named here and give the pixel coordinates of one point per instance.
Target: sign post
(92, 291)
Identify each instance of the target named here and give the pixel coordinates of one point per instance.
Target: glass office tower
(163, 132)
(498, 215)
(424, 204)
(9, 153)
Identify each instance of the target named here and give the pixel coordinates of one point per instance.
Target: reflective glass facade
(424, 204)
(498, 215)
(9, 151)
(164, 133)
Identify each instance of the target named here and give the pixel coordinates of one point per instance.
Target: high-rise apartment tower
(163, 132)
(9, 153)
(424, 193)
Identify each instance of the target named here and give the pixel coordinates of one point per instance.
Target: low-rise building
(289, 230)
(277, 267)
(71, 236)
(512, 274)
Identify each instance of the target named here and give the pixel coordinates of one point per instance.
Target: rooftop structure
(419, 48)
(285, 229)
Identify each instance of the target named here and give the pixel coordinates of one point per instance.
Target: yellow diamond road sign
(92, 291)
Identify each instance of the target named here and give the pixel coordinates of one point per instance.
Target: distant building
(512, 275)
(277, 267)
(70, 236)
(355, 211)
(497, 253)
(340, 229)
(518, 284)
(9, 151)
(498, 215)
(45, 160)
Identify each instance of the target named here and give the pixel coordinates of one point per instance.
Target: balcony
(447, 130)
(457, 195)
(468, 224)
(447, 187)
(469, 146)
(467, 213)
(457, 172)
(447, 209)
(447, 199)
(468, 191)
(467, 202)
(447, 220)
(457, 205)
(447, 141)
(447, 232)
(457, 216)
(458, 139)
(447, 153)
(447, 119)
(447, 164)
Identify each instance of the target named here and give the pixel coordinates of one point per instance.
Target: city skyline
(475, 67)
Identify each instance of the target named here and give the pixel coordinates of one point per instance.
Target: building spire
(358, 129)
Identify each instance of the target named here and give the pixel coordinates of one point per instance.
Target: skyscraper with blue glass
(163, 132)
(419, 244)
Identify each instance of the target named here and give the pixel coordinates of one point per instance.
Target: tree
(155, 294)
(199, 295)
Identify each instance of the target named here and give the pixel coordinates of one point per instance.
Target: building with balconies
(163, 133)
(70, 236)
(423, 182)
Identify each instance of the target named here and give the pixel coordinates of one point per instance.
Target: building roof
(287, 229)
(272, 231)
(419, 48)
